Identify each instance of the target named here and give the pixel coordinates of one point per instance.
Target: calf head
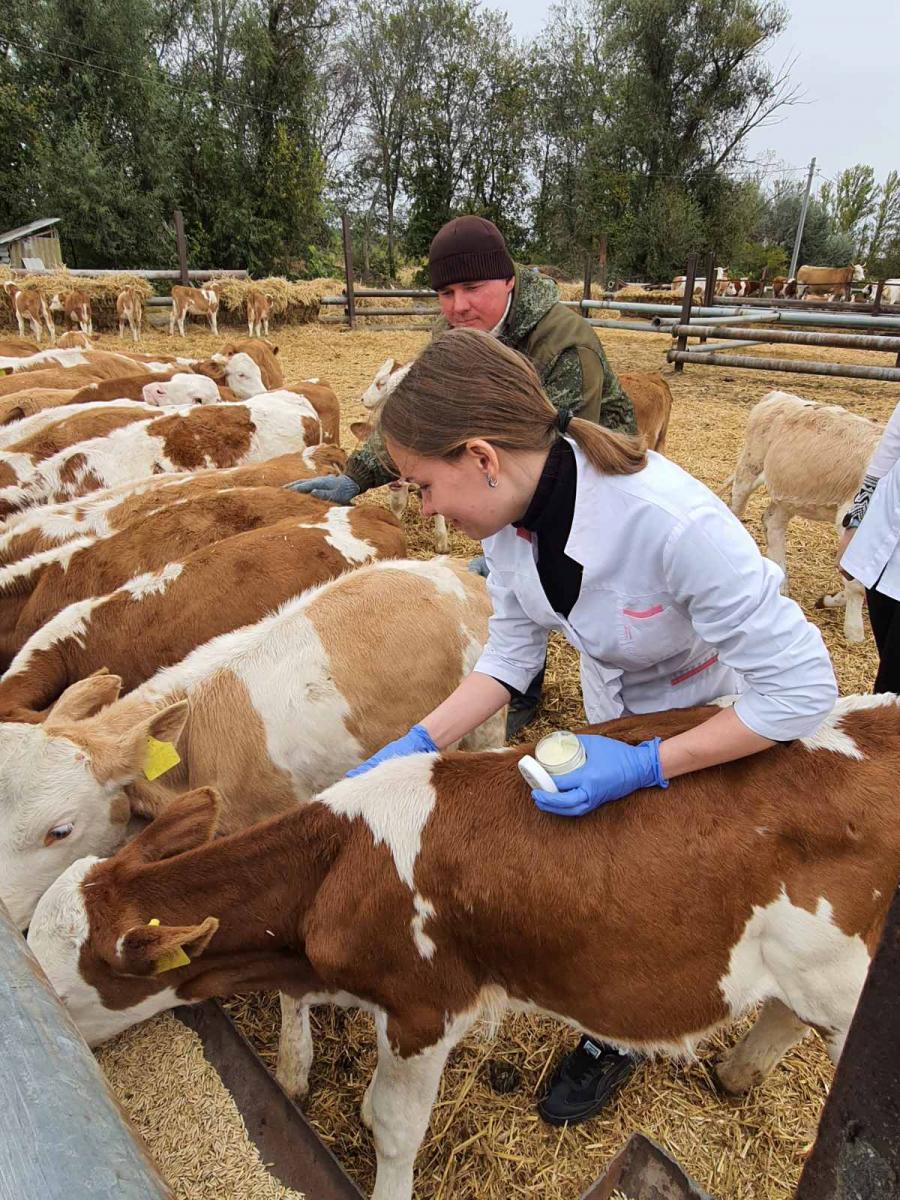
(56, 304)
(62, 784)
(182, 390)
(239, 372)
(386, 379)
(91, 929)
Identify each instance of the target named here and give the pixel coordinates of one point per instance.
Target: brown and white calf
(432, 891)
(35, 590)
(832, 282)
(811, 458)
(159, 616)
(130, 311)
(213, 435)
(278, 711)
(19, 458)
(263, 353)
(198, 302)
(183, 389)
(74, 339)
(29, 305)
(259, 306)
(75, 307)
(45, 528)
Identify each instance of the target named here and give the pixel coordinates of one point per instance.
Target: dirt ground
(491, 1146)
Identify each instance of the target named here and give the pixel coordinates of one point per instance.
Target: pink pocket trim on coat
(647, 612)
(695, 670)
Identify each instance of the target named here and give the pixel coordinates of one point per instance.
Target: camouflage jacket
(566, 353)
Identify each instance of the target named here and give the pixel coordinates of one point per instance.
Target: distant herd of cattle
(810, 283)
(31, 307)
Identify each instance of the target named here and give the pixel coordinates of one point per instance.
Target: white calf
(812, 458)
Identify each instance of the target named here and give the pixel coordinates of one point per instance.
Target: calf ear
(120, 755)
(360, 430)
(186, 823)
(85, 698)
(154, 949)
(14, 414)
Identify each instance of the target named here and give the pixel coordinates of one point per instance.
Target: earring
(491, 481)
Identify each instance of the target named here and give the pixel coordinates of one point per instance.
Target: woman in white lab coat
(873, 554)
(648, 575)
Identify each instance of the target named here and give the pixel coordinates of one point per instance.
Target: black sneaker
(584, 1082)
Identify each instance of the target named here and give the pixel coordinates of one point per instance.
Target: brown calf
(259, 306)
(30, 401)
(100, 366)
(760, 881)
(324, 400)
(199, 302)
(29, 305)
(157, 618)
(652, 402)
(75, 307)
(37, 589)
(130, 310)
(11, 346)
(109, 509)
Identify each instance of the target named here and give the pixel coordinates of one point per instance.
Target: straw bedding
(483, 1145)
(186, 1116)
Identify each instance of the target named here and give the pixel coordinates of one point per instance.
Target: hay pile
(486, 1146)
(656, 295)
(575, 291)
(294, 302)
(200, 1142)
(102, 290)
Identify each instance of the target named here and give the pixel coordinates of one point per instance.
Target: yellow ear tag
(160, 757)
(172, 958)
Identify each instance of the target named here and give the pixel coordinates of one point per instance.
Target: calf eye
(58, 832)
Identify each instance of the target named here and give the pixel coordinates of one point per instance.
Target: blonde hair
(466, 384)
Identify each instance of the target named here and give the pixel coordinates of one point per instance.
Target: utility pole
(792, 273)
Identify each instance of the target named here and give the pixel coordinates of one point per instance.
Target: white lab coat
(874, 553)
(677, 607)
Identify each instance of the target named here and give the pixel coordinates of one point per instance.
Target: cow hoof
(734, 1080)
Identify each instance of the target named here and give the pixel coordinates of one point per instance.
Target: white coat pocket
(651, 631)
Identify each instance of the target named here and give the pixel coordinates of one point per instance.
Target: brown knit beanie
(467, 249)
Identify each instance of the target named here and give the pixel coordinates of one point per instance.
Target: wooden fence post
(685, 318)
(181, 244)
(348, 271)
(586, 290)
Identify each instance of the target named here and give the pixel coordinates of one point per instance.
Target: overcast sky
(848, 64)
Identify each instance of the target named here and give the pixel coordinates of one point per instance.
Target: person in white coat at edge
(647, 573)
(873, 554)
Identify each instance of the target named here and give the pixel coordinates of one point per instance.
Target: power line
(174, 80)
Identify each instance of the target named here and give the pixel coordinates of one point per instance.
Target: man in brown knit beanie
(480, 287)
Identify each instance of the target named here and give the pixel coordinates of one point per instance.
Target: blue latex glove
(478, 566)
(339, 489)
(417, 741)
(613, 770)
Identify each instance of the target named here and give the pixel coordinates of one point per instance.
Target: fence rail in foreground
(63, 1135)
